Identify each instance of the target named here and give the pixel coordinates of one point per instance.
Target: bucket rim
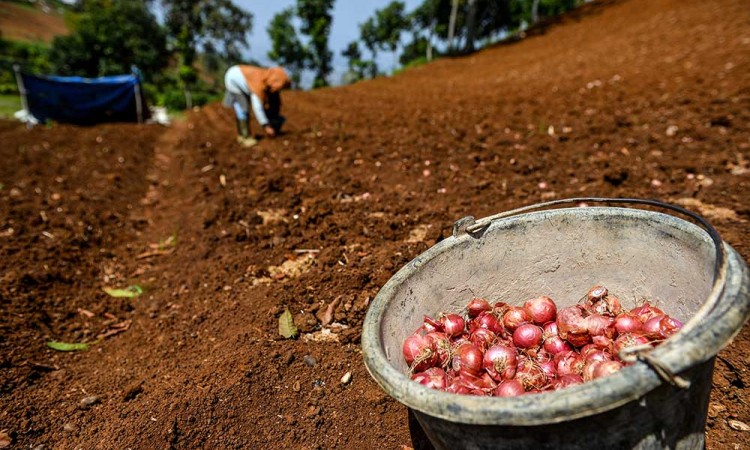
(699, 341)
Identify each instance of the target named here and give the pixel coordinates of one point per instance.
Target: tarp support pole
(21, 88)
(138, 105)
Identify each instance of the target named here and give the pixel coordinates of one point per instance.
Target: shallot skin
(505, 351)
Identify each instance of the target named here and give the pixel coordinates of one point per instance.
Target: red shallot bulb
(549, 368)
(541, 309)
(607, 368)
(599, 325)
(453, 324)
(483, 338)
(509, 388)
(431, 324)
(589, 369)
(602, 343)
(457, 387)
(442, 345)
(483, 382)
(646, 311)
(586, 349)
(467, 358)
(566, 380)
(569, 363)
(489, 321)
(527, 336)
(434, 378)
(571, 325)
(661, 327)
(515, 317)
(500, 362)
(608, 306)
(530, 374)
(624, 341)
(598, 355)
(555, 345)
(597, 292)
(477, 306)
(627, 323)
(550, 329)
(419, 352)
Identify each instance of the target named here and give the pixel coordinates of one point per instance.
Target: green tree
(108, 38)
(535, 9)
(358, 68)
(287, 49)
(391, 21)
(415, 50)
(430, 18)
(316, 23)
(368, 33)
(196, 23)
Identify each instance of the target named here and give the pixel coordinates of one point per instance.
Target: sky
(347, 15)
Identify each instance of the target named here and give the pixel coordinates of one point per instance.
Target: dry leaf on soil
(738, 425)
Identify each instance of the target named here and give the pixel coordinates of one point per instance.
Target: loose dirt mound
(642, 98)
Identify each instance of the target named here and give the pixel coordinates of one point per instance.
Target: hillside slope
(30, 23)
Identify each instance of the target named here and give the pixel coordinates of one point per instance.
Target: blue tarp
(83, 100)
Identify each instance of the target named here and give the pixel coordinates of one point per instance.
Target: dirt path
(640, 98)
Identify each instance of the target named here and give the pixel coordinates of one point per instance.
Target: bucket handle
(475, 228)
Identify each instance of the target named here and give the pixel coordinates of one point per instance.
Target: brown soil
(30, 23)
(647, 98)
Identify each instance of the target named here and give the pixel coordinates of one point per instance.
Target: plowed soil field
(631, 98)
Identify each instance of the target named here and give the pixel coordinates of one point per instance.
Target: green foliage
(316, 23)
(414, 50)
(368, 34)
(173, 96)
(287, 49)
(109, 37)
(9, 104)
(390, 22)
(357, 67)
(218, 23)
(173, 99)
(31, 56)
(413, 63)
(188, 75)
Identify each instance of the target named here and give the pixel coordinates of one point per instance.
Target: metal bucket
(660, 402)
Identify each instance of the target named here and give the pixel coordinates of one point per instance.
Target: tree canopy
(109, 38)
(287, 48)
(220, 23)
(316, 19)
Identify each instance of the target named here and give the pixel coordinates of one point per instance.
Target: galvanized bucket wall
(637, 254)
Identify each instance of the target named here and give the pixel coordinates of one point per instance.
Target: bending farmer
(259, 88)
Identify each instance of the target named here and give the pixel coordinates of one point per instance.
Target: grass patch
(176, 115)
(9, 104)
(415, 63)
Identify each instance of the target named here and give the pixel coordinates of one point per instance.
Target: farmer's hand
(270, 131)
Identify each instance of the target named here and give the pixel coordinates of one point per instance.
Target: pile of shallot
(503, 350)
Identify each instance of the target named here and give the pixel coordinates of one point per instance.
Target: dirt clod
(89, 401)
(132, 391)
